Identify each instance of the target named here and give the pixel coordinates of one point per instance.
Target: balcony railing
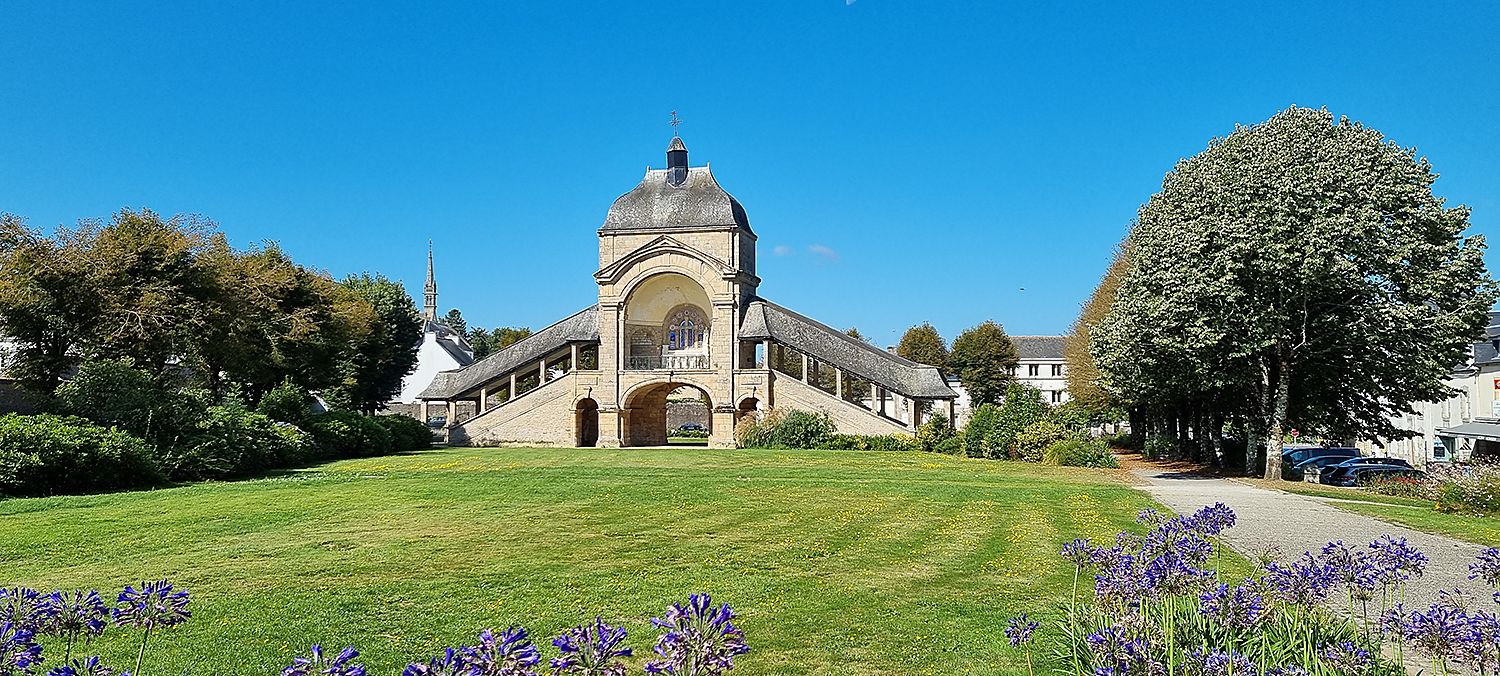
(673, 362)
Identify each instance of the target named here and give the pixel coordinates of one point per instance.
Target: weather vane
(674, 123)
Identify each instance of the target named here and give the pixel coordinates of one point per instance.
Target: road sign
(1296, 434)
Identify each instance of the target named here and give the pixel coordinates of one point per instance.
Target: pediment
(665, 244)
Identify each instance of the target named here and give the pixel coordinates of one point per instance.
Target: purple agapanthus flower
(1346, 658)
(1205, 662)
(1302, 583)
(1175, 576)
(1482, 651)
(699, 639)
(1234, 607)
(1487, 569)
(510, 654)
(318, 662)
(1396, 560)
(1214, 519)
(19, 652)
(1123, 582)
(1353, 567)
(88, 666)
(1018, 630)
(590, 649)
(75, 614)
(24, 608)
(1441, 632)
(155, 605)
(1081, 553)
(450, 663)
(1288, 670)
(1116, 653)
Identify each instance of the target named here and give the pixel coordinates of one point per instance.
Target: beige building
(1463, 427)
(677, 307)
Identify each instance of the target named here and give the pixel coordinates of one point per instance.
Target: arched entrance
(586, 423)
(647, 419)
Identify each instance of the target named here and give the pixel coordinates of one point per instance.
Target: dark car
(691, 427)
(1354, 475)
(1296, 456)
(1396, 462)
(1296, 472)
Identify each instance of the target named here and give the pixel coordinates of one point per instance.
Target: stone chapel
(678, 308)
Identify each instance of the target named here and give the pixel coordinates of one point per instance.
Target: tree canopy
(983, 358)
(923, 345)
(1297, 273)
(1083, 373)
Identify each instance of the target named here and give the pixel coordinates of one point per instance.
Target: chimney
(677, 167)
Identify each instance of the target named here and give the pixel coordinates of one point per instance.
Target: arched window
(686, 330)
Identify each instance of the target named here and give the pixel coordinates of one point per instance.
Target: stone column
(573, 351)
(422, 407)
(838, 382)
(541, 372)
(512, 386)
(952, 417)
(916, 413)
(484, 400)
(804, 368)
(879, 393)
(452, 413)
(766, 354)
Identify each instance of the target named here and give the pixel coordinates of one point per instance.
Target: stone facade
(677, 307)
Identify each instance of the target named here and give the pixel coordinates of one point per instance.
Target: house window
(1056, 370)
(1057, 396)
(685, 330)
(1033, 370)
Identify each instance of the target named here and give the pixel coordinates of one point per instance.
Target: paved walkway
(1298, 523)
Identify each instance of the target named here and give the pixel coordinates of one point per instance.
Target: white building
(1042, 366)
(443, 349)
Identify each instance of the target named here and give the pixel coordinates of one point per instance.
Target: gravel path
(1299, 523)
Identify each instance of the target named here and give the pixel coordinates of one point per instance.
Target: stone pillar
(804, 368)
(879, 393)
(573, 351)
(916, 413)
(452, 413)
(541, 372)
(952, 417)
(766, 354)
(838, 382)
(722, 423)
(512, 387)
(422, 407)
(484, 400)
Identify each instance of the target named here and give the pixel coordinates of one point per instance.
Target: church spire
(429, 304)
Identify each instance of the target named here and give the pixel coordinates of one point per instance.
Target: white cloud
(825, 252)
(782, 250)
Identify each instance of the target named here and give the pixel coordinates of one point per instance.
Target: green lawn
(839, 562)
(1410, 512)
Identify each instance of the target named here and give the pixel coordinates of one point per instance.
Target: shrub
(1023, 407)
(893, 443)
(779, 428)
(341, 434)
(407, 433)
(1071, 415)
(1471, 490)
(47, 454)
(1158, 446)
(1079, 453)
(953, 445)
(981, 425)
(231, 442)
(935, 431)
(1403, 487)
(1034, 439)
(114, 393)
(286, 402)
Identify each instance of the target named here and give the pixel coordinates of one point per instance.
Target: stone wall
(680, 413)
(541, 417)
(850, 418)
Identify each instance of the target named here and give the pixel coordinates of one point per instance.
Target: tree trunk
(1278, 421)
(1216, 429)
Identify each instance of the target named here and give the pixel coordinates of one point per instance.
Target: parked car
(691, 427)
(1297, 455)
(1354, 475)
(1298, 471)
(1398, 462)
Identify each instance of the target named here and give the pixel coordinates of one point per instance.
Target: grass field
(838, 562)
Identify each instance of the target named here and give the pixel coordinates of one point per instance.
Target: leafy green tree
(923, 344)
(1083, 373)
(983, 358)
(374, 367)
(1298, 272)
(455, 320)
(982, 423)
(1023, 408)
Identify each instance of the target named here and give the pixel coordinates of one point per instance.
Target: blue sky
(901, 162)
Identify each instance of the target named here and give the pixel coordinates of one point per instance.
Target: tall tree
(1300, 272)
(983, 358)
(923, 345)
(1083, 373)
(373, 368)
(455, 320)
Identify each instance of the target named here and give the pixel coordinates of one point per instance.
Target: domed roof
(662, 202)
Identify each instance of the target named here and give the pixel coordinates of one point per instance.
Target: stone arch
(645, 411)
(586, 422)
(649, 310)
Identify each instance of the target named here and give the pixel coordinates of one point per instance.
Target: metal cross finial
(674, 123)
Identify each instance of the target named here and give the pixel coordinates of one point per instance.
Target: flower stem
(142, 654)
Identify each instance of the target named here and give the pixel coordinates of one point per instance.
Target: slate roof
(765, 320)
(1039, 347)
(582, 327)
(656, 204)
